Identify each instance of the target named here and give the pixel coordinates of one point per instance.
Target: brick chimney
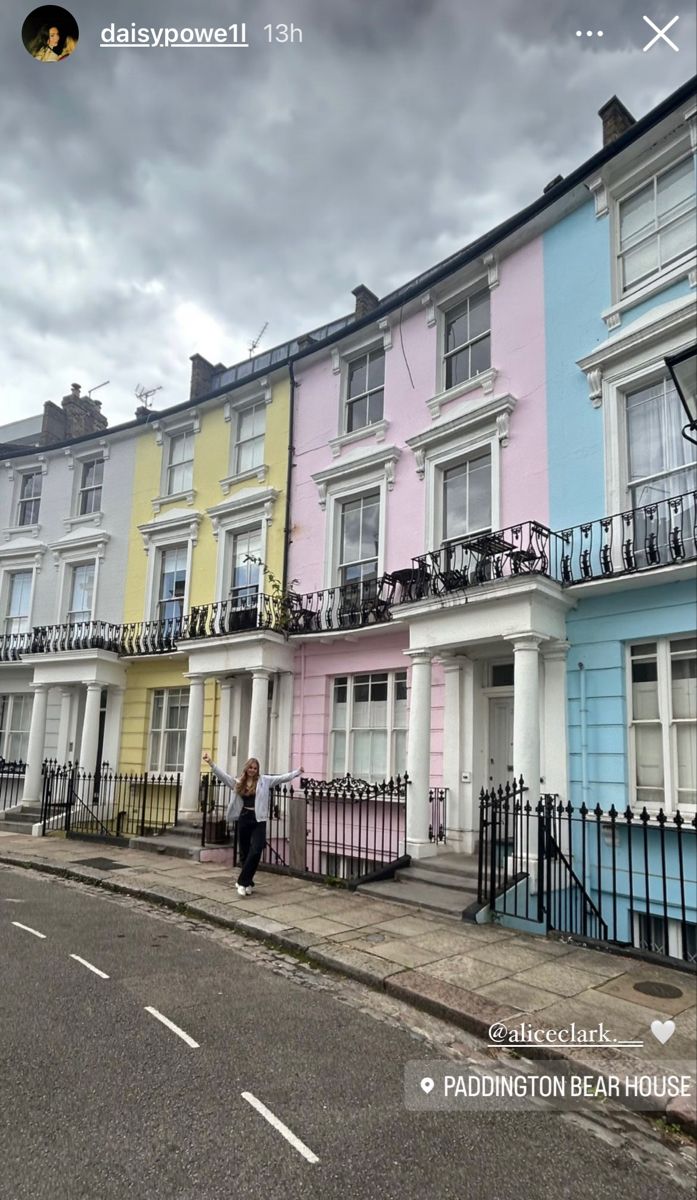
(202, 373)
(366, 300)
(616, 120)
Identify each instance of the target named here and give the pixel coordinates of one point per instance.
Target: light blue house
(620, 275)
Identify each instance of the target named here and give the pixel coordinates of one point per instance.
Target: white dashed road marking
(175, 1028)
(89, 966)
(282, 1129)
(28, 929)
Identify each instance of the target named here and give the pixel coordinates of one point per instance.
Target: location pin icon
(427, 1085)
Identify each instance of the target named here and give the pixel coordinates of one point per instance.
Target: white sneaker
(241, 891)
(248, 891)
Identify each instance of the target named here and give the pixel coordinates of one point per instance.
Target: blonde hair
(241, 782)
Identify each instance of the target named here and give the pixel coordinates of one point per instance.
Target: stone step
(22, 815)
(459, 881)
(169, 843)
(13, 826)
(451, 902)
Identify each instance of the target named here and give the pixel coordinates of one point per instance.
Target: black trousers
(251, 836)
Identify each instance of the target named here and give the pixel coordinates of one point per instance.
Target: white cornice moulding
(494, 413)
(248, 504)
(179, 521)
(96, 542)
(382, 459)
(336, 361)
(665, 321)
(386, 331)
(491, 263)
(229, 482)
(377, 430)
(159, 501)
(485, 380)
(429, 304)
(684, 270)
(25, 551)
(180, 423)
(598, 188)
(101, 450)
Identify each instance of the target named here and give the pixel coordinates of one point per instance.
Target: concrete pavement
(475, 976)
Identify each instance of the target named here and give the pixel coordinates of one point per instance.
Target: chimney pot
(616, 120)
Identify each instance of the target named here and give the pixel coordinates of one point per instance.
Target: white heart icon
(663, 1030)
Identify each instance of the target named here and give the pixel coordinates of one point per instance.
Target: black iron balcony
(352, 605)
(661, 534)
(77, 635)
(463, 563)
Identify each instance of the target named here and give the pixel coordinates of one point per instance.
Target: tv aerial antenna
(253, 345)
(145, 395)
(97, 387)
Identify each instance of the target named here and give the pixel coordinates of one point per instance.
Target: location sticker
(427, 1085)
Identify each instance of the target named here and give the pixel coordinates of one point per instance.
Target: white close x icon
(661, 33)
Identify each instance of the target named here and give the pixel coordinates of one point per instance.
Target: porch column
(35, 748)
(64, 726)
(458, 719)
(419, 756)
(90, 728)
(193, 747)
(285, 717)
(221, 751)
(555, 719)
(112, 732)
(259, 719)
(526, 713)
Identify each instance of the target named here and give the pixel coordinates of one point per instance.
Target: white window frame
(391, 728)
(77, 460)
(611, 189)
(445, 310)
(26, 472)
(157, 599)
(231, 536)
(627, 290)
(624, 363)
(75, 551)
(11, 698)
(187, 437)
(82, 490)
(347, 364)
(173, 529)
(664, 719)
(339, 509)
(165, 432)
(674, 932)
(258, 393)
(11, 564)
(347, 481)
(160, 769)
(375, 337)
(70, 581)
(6, 593)
(241, 413)
(247, 509)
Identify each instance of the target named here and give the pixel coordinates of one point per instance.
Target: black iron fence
(214, 800)
(438, 819)
(108, 804)
(11, 783)
(627, 878)
(355, 830)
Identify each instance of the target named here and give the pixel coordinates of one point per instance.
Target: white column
(112, 731)
(555, 720)
(259, 719)
(452, 748)
(526, 713)
(193, 747)
(64, 726)
(419, 756)
(222, 750)
(35, 749)
(285, 721)
(90, 728)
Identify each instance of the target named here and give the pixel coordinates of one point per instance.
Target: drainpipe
(584, 735)
(291, 423)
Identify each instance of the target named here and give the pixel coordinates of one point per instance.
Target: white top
(263, 794)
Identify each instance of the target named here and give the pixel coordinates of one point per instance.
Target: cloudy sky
(159, 202)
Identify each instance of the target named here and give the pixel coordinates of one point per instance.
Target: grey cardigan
(263, 796)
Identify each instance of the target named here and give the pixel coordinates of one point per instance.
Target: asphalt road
(101, 1099)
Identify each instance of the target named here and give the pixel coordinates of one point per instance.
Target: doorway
(500, 765)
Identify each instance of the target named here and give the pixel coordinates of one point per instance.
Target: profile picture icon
(50, 33)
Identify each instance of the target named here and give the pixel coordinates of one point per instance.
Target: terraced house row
(451, 533)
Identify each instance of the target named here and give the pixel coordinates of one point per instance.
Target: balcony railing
(639, 540)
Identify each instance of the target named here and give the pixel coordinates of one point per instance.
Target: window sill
(377, 430)
(687, 269)
(159, 501)
(22, 530)
(94, 518)
(259, 473)
(485, 380)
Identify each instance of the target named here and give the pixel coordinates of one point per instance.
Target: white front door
(500, 740)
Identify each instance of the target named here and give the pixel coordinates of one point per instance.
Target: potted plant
(283, 603)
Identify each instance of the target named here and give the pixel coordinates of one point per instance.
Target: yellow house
(205, 670)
